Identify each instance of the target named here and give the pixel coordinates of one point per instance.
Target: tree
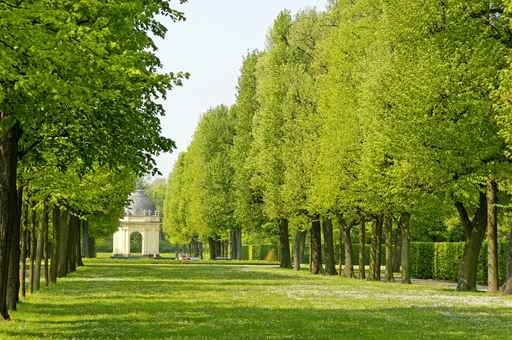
(80, 81)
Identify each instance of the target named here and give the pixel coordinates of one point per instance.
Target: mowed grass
(116, 299)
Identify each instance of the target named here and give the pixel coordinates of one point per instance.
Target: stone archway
(140, 217)
(136, 241)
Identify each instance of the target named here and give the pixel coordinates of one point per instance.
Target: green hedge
(440, 261)
(422, 259)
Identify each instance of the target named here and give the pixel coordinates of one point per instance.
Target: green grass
(131, 299)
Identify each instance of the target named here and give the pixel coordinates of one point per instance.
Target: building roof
(140, 205)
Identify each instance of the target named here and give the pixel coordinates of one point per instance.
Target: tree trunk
(13, 286)
(492, 237)
(348, 269)
(211, 246)
(239, 244)
(341, 257)
(330, 259)
(39, 249)
(46, 247)
(74, 225)
(375, 250)
(316, 246)
(284, 241)
(24, 246)
(9, 138)
(397, 253)
(362, 246)
(303, 247)
(63, 244)
(33, 246)
(297, 249)
(78, 244)
(405, 251)
(232, 241)
(54, 269)
(507, 289)
(310, 251)
(235, 241)
(388, 230)
(474, 231)
(85, 240)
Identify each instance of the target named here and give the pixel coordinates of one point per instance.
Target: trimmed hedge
(440, 260)
(422, 259)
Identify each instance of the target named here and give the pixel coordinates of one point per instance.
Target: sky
(211, 45)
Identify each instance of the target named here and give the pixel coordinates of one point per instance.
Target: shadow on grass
(160, 301)
(223, 322)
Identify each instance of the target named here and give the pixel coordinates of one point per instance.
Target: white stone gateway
(141, 217)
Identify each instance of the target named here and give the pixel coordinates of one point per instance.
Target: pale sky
(211, 45)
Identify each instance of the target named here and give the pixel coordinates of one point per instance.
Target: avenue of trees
(392, 117)
(79, 123)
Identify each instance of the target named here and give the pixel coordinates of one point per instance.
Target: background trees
(391, 115)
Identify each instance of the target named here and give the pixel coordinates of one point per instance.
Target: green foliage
(447, 257)
(156, 190)
(200, 198)
(440, 260)
(422, 259)
(81, 83)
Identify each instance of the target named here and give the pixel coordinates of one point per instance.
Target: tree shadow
(116, 301)
(196, 320)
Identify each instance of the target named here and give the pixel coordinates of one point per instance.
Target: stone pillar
(126, 242)
(144, 242)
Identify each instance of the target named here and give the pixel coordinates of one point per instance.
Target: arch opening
(136, 243)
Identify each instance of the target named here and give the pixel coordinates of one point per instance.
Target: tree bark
(9, 138)
(303, 247)
(74, 225)
(348, 269)
(362, 246)
(63, 244)
(397, 252)
(330, 259)
(284, 241)
(388, 229)
(39, 249)
(54, 269)
(316, 246)
(405, 250)
(13, 286)
(341, 257)
(211, 246)
(474, 232)
(24, 246)
(297, 249)
(46, 247)
(492, 237)
(507, 289)
(375, 250)
(78, 244)
(85, 240)
(33, 246)
(236, 243)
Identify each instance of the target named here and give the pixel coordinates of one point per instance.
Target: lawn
(133, 299)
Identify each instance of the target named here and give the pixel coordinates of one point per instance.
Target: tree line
(79, 122)
(392, 117)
